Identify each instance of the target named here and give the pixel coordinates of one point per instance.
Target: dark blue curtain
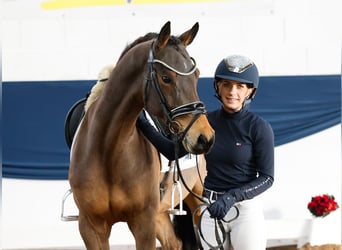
(34, 113)
(33, 127)
(296, 106)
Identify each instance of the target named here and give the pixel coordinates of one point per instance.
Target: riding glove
(221, 206)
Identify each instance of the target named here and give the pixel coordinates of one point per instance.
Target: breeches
(246, 232)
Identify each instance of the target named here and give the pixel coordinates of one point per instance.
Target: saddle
(73, 119)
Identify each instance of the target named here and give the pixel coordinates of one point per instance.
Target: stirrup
(172, 210)
(67, 217)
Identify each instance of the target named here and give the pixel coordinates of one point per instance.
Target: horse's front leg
(95, 234)
(143, 228)
(165, 232)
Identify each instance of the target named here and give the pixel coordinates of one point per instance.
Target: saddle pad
(187, 161)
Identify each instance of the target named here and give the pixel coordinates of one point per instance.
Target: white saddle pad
(187, 161)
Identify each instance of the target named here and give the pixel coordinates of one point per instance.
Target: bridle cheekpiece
(196, 108)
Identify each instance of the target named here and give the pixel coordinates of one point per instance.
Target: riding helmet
(238, 68)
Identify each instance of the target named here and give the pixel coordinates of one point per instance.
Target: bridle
(196, 108)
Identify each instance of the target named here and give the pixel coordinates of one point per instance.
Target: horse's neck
(122, 98)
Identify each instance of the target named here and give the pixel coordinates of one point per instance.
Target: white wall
(31, 217)
(305, 168)
(283, 37)
(301, 37)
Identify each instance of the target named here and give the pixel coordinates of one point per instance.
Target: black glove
(221, 206)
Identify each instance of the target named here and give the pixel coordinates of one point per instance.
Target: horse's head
(171, 90)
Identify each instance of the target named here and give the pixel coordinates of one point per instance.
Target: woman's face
(233, 94)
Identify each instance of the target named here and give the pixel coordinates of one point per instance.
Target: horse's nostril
(204, 143)
(202, 140)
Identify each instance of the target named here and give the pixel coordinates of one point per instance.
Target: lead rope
(218, 226)
(170, 115)
(218, 223)
(176, 141)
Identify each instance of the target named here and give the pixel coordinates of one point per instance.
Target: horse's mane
(105, 72)
(149, 36)
(141, 39)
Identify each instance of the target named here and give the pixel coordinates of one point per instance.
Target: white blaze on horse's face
(174, 78)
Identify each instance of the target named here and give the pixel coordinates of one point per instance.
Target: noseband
(196, 108)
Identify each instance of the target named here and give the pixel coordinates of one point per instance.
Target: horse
(114, 170)
(193, 173)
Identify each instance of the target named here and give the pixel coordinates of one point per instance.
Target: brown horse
(193, 172)
(114, 171)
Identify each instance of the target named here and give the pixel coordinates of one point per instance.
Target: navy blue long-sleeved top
(241, 160)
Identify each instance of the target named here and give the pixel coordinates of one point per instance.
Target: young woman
(240, 165)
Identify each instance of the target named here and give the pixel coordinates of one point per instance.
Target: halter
(196, 108)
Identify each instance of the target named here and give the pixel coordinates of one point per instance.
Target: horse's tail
(97, 89)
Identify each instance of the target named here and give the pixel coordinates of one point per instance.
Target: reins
(198, 229)
(176, 140)
(196, 108)
(218, 225)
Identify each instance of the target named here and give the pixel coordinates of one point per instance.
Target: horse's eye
(166, 79)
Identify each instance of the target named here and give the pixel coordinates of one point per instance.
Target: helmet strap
(218, 97)
(246, 102)
(252, 95)
(216, 91)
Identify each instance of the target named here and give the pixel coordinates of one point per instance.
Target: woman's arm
(164, 145)
(264, 162)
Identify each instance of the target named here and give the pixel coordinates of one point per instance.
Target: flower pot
(326, 230)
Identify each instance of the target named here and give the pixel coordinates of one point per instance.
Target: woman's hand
(221, 206)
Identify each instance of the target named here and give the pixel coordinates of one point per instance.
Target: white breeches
(247, 232)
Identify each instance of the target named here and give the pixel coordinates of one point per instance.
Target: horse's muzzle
(202, 145)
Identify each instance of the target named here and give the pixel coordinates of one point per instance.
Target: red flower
(322, 205)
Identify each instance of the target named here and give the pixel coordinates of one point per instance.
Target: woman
(240, 165)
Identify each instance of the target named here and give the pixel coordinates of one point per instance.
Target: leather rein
(196, 108)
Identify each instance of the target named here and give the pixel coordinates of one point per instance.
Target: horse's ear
(163, 36)
(188, 36)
